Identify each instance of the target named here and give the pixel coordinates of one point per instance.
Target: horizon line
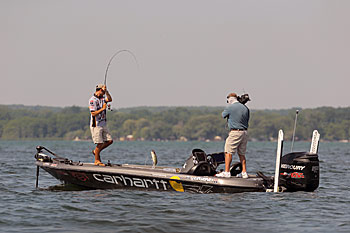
(170, 106)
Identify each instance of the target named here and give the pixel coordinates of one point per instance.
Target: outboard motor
(300, 171)
(197, 164)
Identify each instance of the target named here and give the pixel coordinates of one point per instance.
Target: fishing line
(116, 54)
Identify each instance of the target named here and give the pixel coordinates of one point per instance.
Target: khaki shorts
(100, 134)
(236, 141)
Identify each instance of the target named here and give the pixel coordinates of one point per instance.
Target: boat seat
(216, 159)
(199, 155)
(197, 164)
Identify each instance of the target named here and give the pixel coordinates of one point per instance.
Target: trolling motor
(41, 157)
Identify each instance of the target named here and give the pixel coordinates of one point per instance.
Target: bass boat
(295, 171)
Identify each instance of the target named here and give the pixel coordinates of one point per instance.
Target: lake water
(49, 209)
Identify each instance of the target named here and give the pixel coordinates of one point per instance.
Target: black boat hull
(148, 178)
(299, 172)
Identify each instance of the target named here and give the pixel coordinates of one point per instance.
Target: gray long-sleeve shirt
(238, 116)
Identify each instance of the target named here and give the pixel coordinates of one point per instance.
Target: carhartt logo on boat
(127, 181)
(293, 167)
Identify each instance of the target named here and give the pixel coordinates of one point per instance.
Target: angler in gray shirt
(237, 115)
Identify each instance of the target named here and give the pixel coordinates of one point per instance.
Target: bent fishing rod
(116, 54)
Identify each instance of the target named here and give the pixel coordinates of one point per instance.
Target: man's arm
(225, 113)
(95, 113)
(108, 96)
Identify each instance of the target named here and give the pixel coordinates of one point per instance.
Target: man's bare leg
(228, 160)
(99, 148)
(243, 162)
(106, 144)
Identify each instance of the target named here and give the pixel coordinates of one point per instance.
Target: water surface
(49, 209)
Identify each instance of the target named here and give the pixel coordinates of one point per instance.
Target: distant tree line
(169, 123)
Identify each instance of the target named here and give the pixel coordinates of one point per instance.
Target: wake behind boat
(296, 171)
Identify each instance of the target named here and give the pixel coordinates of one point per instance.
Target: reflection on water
(65, 187)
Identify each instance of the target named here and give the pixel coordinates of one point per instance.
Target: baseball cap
(99, 86)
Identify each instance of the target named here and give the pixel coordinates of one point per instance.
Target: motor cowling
(300, 171)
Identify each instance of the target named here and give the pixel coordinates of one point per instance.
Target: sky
(283, 53)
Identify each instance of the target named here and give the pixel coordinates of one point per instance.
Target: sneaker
(243, 175)
(223, 174)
